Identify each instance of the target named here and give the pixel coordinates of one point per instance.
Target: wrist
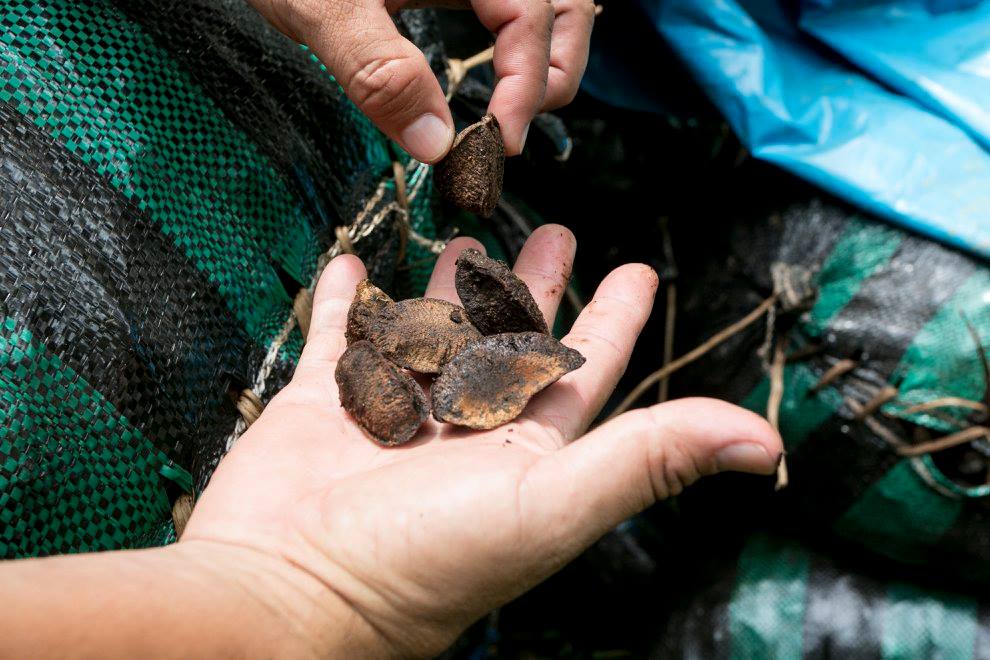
(266, 606)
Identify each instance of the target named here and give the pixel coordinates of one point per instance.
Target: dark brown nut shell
(369, 301)
(470, 176)
(495, 299)
(387, 402)
(422, 334)
(490, 382)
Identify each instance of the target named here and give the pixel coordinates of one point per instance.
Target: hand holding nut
(403, 548)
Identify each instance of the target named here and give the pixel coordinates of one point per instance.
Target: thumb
(587, 488)
(385, 75)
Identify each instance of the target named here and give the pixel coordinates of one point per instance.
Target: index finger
(521, 60)
(331, 300)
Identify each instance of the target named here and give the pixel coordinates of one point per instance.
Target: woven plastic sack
(170, 175)
(892, 321)
(781, 600)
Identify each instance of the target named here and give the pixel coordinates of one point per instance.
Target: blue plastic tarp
(885, 104)
(948, 71)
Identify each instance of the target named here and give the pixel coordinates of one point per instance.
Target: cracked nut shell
(387, 402)
(470, 176)
(490, 382)
(369, 300)
(421, 334)
(495, 299)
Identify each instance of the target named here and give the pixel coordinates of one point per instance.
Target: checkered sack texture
(170, 175)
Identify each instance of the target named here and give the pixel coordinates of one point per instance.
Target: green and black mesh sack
(172, 176)
(780, 599)
(884, 409)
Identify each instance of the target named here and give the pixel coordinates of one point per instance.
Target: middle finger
(544, 264)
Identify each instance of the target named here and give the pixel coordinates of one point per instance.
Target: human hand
(541, 50)
(405, 547)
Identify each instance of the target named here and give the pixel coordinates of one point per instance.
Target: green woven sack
(170, 175)
(886, 322)
(779, 599)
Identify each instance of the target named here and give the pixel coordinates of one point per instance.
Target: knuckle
(549, 278)
(383, 86)
(672, 465)
(612, 304)
(565, 82)
(554, 427)
(332, 312)
(306, 17)
(326, 342)
(572, 88)
(656, 467)
(591, 337)
(566, 93)
(665, 476)
(325, 14)
(583, 8)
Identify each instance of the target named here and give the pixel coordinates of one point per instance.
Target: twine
(181, 511)
(945, 442)
(947, 402)
(773, 404)
(692, 355)
(302, 306)
(883, 395)
(249, 402)
(862, 412)
(458, 69)
(344, 240)
(670, 319)
(833, 373)
(250, 407)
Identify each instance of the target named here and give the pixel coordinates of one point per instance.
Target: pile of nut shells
(487, 358)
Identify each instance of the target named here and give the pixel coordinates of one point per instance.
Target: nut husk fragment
(368, 302)
(495, 299)
(421, 334)
(490, 382)
(387, 402)
(470, 176)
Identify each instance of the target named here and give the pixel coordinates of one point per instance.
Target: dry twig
(694, 354)
(774, 401)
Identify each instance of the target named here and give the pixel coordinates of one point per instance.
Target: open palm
(421, 540)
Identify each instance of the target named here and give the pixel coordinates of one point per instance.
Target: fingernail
(428, 138)
(745, 457)
(525, 134)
